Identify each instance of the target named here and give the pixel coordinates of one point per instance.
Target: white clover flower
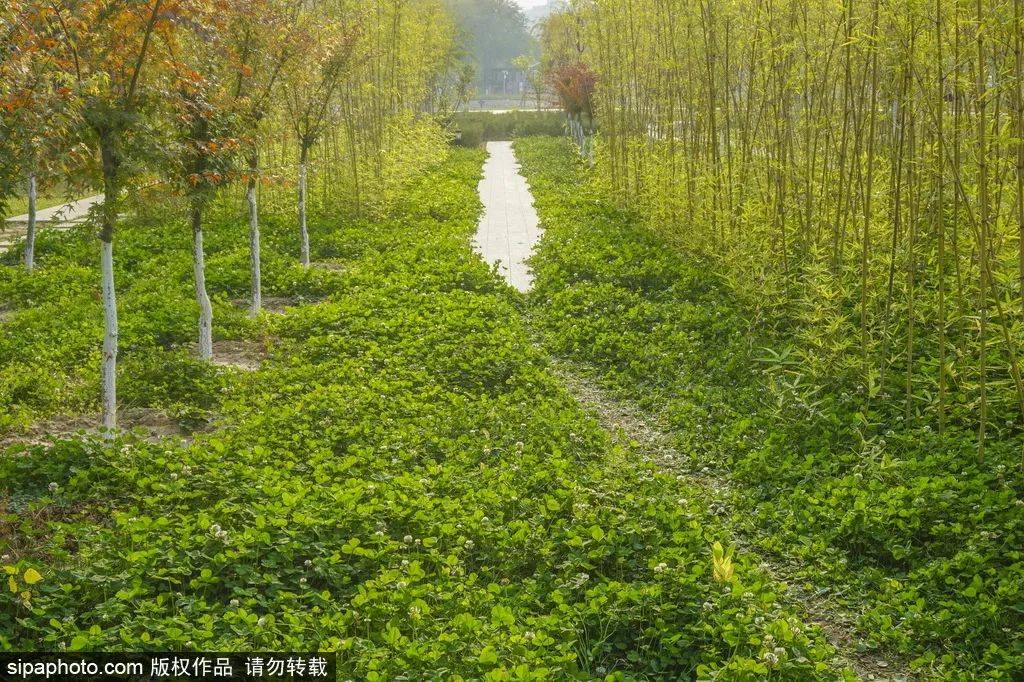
(770, 658)
(660, 567)
(302, 580)
(579, 580)
(307, 562)
(401, 584)
(407, 539)
(405, 562)
(174, 476)
(469, 544)
(215, 528)
(682, 501)
(529, 635)
(262, 621)
(53, 486)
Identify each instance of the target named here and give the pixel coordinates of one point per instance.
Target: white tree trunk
(109, 340)
(30, 235)
(254, 249)
(205, 309)
(302, 215)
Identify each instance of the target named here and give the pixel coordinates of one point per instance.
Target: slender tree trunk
(869, 191)
(912, 189)
(256, 299)
(983, 226)
(940, 209)
(303, 155)
(199, 266)
(110, 164)
(1018, 96)
(30, 235)
(109, 372)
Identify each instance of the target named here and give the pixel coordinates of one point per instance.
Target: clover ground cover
(903, 528)
(402, 480)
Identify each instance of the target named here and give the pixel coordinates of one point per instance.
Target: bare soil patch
(277, 305)
(328, 265)
(155, 423)
(242, 354)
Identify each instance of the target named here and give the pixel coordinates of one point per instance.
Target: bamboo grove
(856, 168)
(185, 102)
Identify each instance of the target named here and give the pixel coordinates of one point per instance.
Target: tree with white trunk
(327, 41)
(206, 143)
(264, 44)
(98, 51)
(37, 126)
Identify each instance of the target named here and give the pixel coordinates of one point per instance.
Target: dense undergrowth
(474, 128)
(901, 524)
(402, 480)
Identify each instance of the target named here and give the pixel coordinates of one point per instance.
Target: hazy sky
(527, 4)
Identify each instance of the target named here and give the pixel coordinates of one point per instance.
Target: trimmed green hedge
(478, 127)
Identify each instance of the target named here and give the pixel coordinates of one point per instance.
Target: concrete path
(71, 212)
(62, 216)
(508, 228)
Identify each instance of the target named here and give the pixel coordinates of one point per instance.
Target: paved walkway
(61, 216)
(71, 212)
(509, 227)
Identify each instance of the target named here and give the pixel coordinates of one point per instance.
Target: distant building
(504, 81)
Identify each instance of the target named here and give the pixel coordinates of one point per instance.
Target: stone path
(508, 228)
(61, 216)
